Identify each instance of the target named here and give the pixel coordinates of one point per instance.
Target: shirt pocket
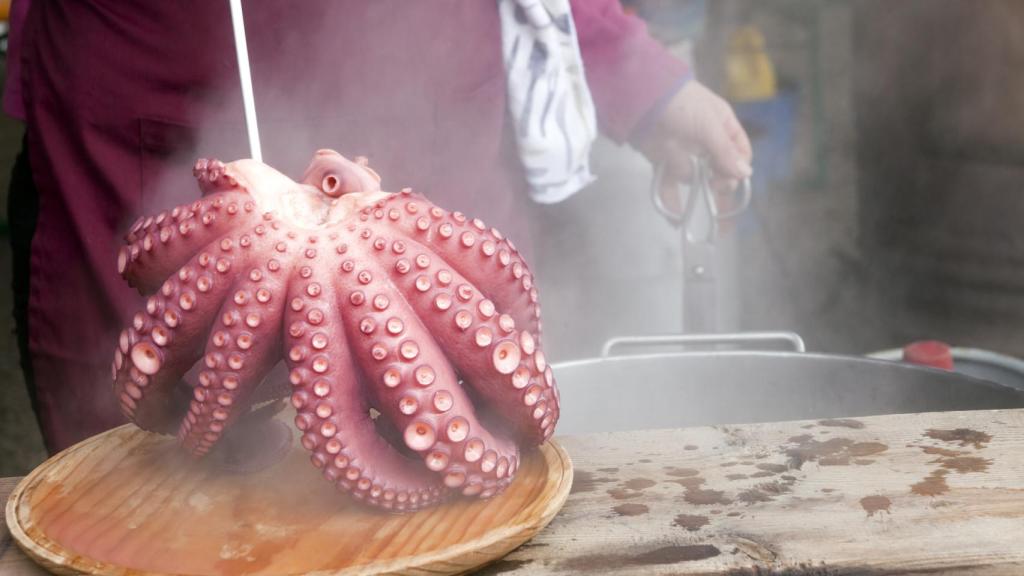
(168, 149)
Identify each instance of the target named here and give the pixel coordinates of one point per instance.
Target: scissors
(699, 221)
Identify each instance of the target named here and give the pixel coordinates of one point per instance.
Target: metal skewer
(245, 75)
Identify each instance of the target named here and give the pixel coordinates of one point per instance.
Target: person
(120, 97)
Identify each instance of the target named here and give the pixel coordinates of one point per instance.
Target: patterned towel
(548, 98)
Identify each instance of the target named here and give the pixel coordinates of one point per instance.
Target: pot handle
(749, 339)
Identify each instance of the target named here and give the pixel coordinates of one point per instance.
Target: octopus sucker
(237, 356)
(160, 249)
(332, 405)
(460, 317)
(164, 348)
(487, 260)
(412, 334)
(405, 382)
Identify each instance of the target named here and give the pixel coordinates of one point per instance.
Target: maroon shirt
(122, 95)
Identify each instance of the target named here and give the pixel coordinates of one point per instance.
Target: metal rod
(245, 76)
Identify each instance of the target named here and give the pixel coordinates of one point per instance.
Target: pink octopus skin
(373, 299)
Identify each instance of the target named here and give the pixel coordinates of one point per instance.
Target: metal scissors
(699, 223)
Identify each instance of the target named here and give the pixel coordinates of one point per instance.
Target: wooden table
(911, 494)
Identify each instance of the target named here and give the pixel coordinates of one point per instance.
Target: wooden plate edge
(488, 548)
(494, 545)
(39, 552)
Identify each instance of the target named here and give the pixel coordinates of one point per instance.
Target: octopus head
(336, 175)
(331, 189)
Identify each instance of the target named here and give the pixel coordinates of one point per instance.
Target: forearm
(629, 73)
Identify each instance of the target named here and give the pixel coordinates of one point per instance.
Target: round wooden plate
(127, 501)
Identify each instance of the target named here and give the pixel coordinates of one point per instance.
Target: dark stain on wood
(735, 476)
(965, 464)
(802, 569)
(752, 496)
(867, 448)
(692, 482)
(764, 492)
(728, 464)
(875, 504)
(762, 474)
(659, 556)
(828, 490)
(863, 462)
(680, 472)
(631, 509)
(842, 423)
(952, 460)
(775, 488)
(935, 450)
(831, 452)
(690, 522)
(675, 554)
(608, 470)
(933, 485)
(502, 566)
(639, 483)
(733, 514)
(774, 468)
(645, 460)
(584, 481)
(690, 447)
(759, 552)
(701, 497)
(962, 436)
(788, 478)
(623, 494)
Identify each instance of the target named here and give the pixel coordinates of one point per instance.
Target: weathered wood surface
(127, 500)
(908, 494)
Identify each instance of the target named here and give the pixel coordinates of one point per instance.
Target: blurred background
(888, 139)
(886, 209)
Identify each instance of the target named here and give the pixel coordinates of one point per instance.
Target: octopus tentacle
(157, 246)
(165, 339)
(483, 256)
(212, 175)
(416, 387)
(239, 353)
(505, 366)
(332, 408)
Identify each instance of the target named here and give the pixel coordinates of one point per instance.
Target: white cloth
(548, 97)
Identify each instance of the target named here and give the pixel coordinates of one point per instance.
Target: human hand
(698, 121)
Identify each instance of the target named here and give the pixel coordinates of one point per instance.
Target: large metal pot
(672, 390)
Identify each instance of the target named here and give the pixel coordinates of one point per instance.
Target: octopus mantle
(374, 300)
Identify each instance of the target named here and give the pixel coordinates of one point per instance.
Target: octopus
(411, 334)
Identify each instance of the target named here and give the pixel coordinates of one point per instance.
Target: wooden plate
(127, 501)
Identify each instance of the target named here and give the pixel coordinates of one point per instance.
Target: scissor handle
(700, 183)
